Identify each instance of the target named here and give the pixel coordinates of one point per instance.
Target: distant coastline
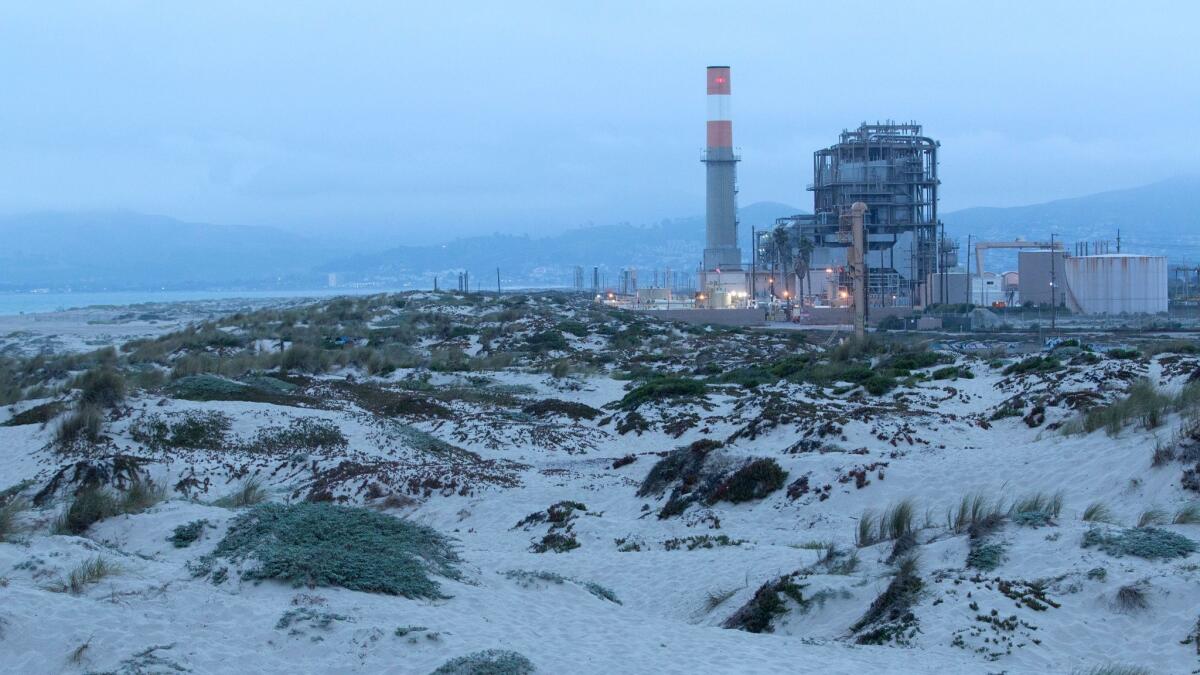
(14, 303)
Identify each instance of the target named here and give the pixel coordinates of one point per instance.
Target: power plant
(892, 169)
(874, 243)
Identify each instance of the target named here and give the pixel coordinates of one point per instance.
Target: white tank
(1117, 284)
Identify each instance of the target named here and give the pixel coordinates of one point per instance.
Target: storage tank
(1117, 284)
(1035, 269)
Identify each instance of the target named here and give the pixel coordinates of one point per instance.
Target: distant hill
(1160, 219)
(113, 250)
(119, 249)
(675, 244)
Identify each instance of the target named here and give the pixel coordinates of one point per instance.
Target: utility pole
(1053, 289)
(753, 260)
(970, 281)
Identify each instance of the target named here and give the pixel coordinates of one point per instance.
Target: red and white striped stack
(720, 118)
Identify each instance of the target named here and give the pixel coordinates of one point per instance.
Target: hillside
(675, 244)
(118, 249)
(1156, 219)
(392, 483)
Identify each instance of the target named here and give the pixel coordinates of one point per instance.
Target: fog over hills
(126, 250)
(122, 249)
(1158, 219)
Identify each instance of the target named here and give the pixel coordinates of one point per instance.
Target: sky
(418, 122)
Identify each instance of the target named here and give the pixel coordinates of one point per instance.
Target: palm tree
(802, 263)
(781, 248)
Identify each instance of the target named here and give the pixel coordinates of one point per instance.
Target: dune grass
(90, 571)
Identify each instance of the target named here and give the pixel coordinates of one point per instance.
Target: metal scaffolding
(892, 168)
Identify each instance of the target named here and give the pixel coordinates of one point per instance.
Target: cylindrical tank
(1117, 284)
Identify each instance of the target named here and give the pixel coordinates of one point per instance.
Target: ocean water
(29, 303)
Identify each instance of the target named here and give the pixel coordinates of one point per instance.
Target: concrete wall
(829, 316)
(720, 317)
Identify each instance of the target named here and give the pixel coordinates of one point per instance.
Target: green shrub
(757, 615)
(878, 384)
(892, 607)
(187, 534)
(194, 429)
(213, 388)
(753, 481)
(547, 341)
(914, 360)
(660, 389)
(681, 464)
(1121, 353)
(1034, 364)
(38, 414)
(553, 406)
(576, 328)
(320, 544)
(985, 557)
(1145, 542)
(559, 542)
(487, 662)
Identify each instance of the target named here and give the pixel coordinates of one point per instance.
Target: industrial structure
(722, 276)
(892, 169)
(1116, 283)
(873, 243)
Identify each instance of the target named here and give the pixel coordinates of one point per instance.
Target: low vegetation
(768, 603)
(488, 662)
(1097, 512)
(1143, 542)
(890, 617)
(1037, 509)
(10, 509)
(185, 535)
(247, 493)
(91, 571)
(894, 523)
(93, 504)
(1144, 404)
(661, 389)
(320, 544)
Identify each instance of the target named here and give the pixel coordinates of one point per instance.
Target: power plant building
(892, 168)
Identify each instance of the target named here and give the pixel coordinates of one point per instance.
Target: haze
(420, 122)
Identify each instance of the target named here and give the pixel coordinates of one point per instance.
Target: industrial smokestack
(721, 250)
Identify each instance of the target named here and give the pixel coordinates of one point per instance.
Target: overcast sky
(436, 119)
